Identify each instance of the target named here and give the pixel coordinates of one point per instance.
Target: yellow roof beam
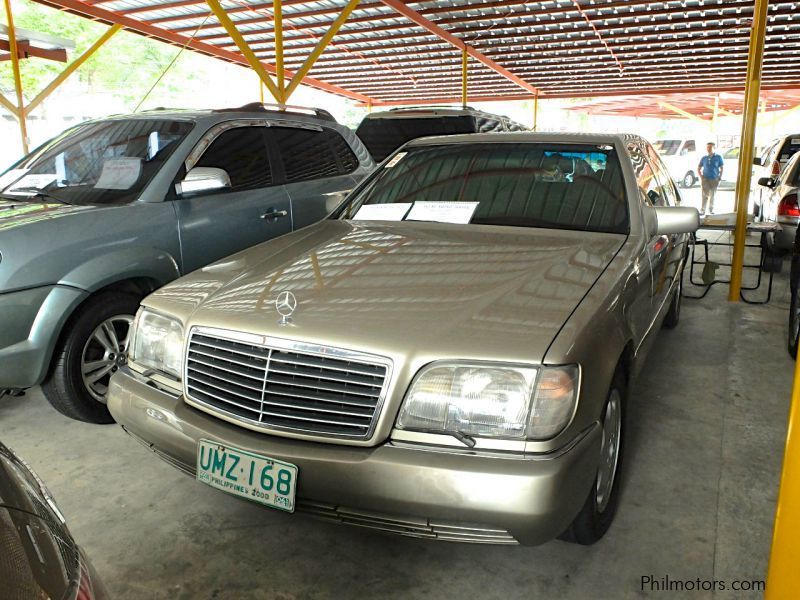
(240, 42)
(73, 66)
(681, 112)
(9, 106)
(308, 64)
(12, 46)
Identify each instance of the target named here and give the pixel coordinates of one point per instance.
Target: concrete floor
(708, 423)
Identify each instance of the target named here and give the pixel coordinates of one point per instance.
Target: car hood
(15, 214)
(432, 289)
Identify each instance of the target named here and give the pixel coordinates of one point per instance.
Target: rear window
(790, 146)
(384, 136)
(554, 186)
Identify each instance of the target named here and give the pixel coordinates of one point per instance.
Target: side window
(242, 153)
(645, 174)
(690, 147)
(309, 154)
(662, 183)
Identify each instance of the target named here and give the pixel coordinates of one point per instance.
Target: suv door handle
(273, 214)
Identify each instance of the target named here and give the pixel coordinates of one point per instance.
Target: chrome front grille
(283, 385)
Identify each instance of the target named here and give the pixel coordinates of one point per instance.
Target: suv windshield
(667, 147)
(107, 162)
(557, 186)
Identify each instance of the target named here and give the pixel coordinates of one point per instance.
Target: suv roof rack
(433, 107)
(261, 107)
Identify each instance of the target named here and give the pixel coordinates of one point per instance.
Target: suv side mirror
(767, 182)
(757, 161)
(668, 220)
(203, 179)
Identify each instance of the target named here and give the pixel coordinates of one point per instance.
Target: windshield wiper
(29, 193)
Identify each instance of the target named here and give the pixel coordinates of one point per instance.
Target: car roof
(248, 111)
(528, 137)
(416, 112)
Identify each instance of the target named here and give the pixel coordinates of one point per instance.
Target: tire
(673, 315)
(86, 345)
(597, 513)
(689, 180)
(794, 324)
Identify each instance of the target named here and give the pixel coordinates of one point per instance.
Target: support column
(464, 74)
(12, 43)
(750, 116)
(536, 111)
(277, 11)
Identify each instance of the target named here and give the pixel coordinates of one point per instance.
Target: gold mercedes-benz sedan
(448, 355)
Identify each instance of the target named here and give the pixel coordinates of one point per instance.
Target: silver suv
(113, 209)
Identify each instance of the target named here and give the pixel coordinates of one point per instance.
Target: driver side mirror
(668, 220)
(767, 182)
(203, 179)
(757, 162)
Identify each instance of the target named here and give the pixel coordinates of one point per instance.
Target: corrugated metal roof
(563, 48)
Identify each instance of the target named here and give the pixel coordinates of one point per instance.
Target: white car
(681, 159)
(780, 202)
(772, 161)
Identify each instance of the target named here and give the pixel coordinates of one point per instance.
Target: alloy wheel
(105, 351)
(609, 450)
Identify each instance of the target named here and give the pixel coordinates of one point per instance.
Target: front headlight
(158, 342)
(491, 401)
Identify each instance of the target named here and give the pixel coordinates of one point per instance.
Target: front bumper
(408, 489)
(30, 323)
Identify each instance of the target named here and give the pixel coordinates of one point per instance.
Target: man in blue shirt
(710, 171)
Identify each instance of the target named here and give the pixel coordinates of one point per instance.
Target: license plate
(259, 478)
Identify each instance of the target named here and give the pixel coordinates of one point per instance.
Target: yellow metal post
(750, 116)
(261, 90)
(783, 576)
(715, 118)
(320, 47)
(240, 42)
(464, 74)
(12, 46)
(536, 111)
(73, 66)
(277, 11)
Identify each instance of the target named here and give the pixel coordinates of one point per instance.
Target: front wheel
(598, 511)
(91, 349)
(794, 324)
(689, 180)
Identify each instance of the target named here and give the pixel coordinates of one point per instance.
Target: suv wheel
(91, 349)
(689, 179)
(598, 511)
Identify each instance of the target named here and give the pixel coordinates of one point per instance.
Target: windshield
(667, 147)
(555, 186)
(108, 162)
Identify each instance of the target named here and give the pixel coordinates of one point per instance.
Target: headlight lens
(158, 342)
(495, 402)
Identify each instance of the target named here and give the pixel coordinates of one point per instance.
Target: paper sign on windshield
(119, 173)
(30, 183)
(382, 212)
(443, 212)
(7, 179)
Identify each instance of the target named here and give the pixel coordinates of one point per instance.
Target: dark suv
(384, 132)
(107, 212)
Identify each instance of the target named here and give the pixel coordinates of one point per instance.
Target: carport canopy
(401, 52)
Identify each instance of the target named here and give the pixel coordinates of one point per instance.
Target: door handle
(273, 214)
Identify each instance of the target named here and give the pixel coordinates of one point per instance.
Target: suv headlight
(158, 342)
(491, 401)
